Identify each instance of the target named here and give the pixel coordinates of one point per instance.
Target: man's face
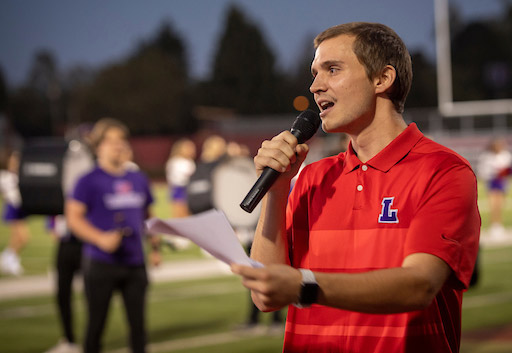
(113, 146)
(341, 88)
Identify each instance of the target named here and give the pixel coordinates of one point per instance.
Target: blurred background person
(199, 190)
(493, 167)
(67, 265)
(107, 211)
(178, 169)
(200, 186)
(213, 149)
(68, 254)
(13, 215)
(233, 175)
(235, 149)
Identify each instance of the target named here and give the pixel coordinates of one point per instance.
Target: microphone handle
(260, 188)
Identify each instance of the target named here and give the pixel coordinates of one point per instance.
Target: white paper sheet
(211, 231)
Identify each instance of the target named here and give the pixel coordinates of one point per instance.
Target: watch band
(309, 289)
(307, 275)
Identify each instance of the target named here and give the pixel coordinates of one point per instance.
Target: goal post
(447, 107)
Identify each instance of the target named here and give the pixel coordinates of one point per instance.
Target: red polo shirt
(415, 196)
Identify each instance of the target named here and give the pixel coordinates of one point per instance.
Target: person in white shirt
(13, 215)
(493, 166)
(180, 166)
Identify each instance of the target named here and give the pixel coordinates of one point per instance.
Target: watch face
(308, 294)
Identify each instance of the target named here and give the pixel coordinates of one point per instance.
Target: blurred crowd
(100, 234)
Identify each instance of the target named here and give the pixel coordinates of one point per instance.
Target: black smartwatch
(309, 289)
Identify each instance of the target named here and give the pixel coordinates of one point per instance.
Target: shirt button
(359, 187)
(364, 167)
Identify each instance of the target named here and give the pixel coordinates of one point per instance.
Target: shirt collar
(390, 155)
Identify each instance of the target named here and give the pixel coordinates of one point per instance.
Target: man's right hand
(109, 241)
(283, 154)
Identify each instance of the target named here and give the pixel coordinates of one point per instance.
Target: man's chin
(328, 128)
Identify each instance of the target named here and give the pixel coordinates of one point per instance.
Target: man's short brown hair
(376, 46)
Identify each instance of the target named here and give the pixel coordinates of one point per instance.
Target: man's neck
(376, 136)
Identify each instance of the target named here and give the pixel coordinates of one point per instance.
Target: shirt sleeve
(447, 223)
(82, 191)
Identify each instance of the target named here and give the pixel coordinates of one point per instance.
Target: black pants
(255, 313)
(101, 280)
(69, 257)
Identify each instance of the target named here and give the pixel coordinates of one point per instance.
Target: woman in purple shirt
(107, 211)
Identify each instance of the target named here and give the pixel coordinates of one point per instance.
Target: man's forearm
(270, 244)
(410, 287)
(392, 290)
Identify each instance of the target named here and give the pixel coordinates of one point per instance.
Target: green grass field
(200, 316)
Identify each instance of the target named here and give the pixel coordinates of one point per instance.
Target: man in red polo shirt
(375, 246)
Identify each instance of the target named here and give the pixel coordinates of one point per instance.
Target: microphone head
(305, 125)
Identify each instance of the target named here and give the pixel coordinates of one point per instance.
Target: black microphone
(303, 128)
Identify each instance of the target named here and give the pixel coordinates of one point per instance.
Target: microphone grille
(305, 125)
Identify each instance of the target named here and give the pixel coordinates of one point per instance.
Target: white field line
(192, 292)
(486, 300)
(188, 343)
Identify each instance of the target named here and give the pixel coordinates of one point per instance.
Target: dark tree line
(152, 92)
(244, 77)
(482, 58)
(3, 92)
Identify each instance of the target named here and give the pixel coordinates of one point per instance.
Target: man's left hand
(273, 286)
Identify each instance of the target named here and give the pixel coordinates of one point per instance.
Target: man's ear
(385, 80)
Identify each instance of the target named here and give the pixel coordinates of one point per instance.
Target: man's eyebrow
(326, 64)
(329, 63)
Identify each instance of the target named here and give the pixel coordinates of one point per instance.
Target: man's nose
(318, 84)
